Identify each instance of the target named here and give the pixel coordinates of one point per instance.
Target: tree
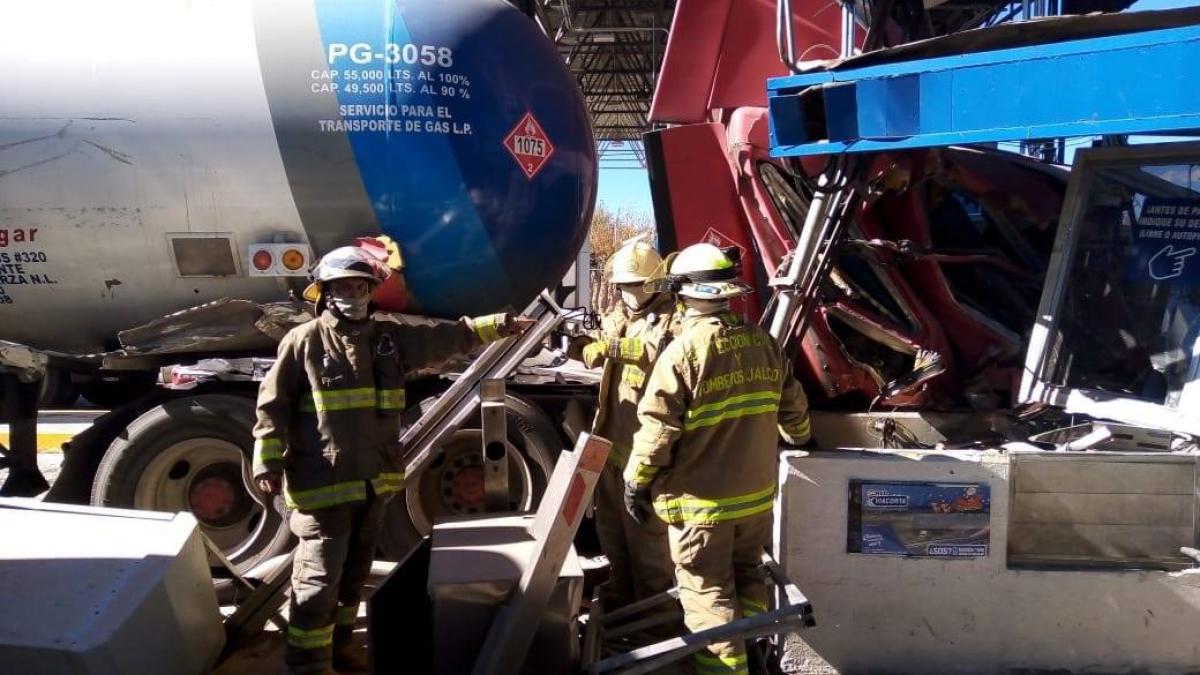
(609, 230)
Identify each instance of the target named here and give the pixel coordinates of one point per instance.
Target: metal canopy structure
(615, 50)
(1115, 74)
(952, 16)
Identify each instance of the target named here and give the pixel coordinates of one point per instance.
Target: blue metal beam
(1135, 83)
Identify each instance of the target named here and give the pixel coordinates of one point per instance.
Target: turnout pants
(638, 555)
(717, 570)
(333, 560)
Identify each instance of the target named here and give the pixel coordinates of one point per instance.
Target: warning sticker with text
(529, 145)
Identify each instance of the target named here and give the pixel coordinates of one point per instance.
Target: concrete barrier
(890, 614)
(88, 591)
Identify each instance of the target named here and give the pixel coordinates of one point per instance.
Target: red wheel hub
(212, 499)
(468, 486)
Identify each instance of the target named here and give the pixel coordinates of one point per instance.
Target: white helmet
(705, 272)
(345, 262)
(633, 263)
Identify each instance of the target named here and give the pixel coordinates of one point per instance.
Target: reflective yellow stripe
(310, 639)
(324, 497)
(633, 376)
(390, 399)
(361, 398)
(268, 449)
(644, 473)
(798, 431)
(695, 511)
(732, 414)
(630, 348)
(743, 405)
(717, 406)
(338, 399)
(697, 503)
(710, 663)
(750, 606)
(488, 327)
(387, 483)
(346, 615)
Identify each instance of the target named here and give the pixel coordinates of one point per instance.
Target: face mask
(353, 309)
(634, 298)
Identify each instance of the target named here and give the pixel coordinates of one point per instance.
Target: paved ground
(48, 462)
(264, 655)
(56, 427)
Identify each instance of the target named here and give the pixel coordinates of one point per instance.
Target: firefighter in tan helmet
(328, 435)
(705, 457)
(631, 337)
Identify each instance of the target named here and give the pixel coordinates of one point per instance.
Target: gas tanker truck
(157, 155)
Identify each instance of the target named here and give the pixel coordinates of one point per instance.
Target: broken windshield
(1131, 305)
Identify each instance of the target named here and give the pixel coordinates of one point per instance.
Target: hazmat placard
(529, 145)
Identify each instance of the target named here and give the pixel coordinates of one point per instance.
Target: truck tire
(190, 454)
(437, 491)
(57, 390)
(82, 454)
(109, 391)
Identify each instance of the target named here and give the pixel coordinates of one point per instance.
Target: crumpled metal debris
(29, 364)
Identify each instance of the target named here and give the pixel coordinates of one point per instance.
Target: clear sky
(1163, 4)
(630, 188)
(624, 188)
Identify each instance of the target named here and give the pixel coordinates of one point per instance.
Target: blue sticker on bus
(1166, 238)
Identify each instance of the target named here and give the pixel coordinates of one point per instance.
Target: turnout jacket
(716, 402)
(329, 408)
(635, 339)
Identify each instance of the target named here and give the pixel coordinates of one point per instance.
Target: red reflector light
(262, 260)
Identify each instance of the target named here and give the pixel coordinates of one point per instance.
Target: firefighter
(328, 434)
(631, 337)
(704, 459)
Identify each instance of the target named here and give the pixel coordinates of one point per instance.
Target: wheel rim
(203, 476)
(452, 483)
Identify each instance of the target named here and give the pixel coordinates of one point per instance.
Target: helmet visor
(660, 280)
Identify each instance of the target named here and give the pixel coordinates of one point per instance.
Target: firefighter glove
(594, 353)
(637, 503)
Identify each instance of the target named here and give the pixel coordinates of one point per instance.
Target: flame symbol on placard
(530, 128)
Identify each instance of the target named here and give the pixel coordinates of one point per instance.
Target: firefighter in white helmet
(632, 336)
(705, 456)
(328, 434)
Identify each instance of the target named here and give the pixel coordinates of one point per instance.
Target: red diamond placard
(722, 240)
(529, 145)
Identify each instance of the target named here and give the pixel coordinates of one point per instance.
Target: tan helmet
(633, 263)
(705, 272)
